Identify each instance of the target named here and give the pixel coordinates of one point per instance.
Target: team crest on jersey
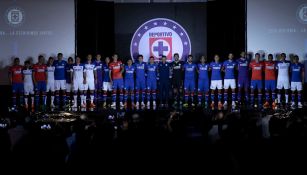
(160, 36)
(301, 14)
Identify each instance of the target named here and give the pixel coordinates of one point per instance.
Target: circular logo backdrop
(160, 36)
(15, 16)
(301, 13)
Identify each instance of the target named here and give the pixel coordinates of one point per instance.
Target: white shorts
(296, 86)
(216, 84)
(229, 83)
(90, 85)
(50, 86)
(107, 86)
(59, 84)
(28, 88)
(284, 83)
(68, 87)
(78, 85)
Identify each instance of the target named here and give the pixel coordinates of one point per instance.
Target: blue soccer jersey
(151, 70)
(68, 73)
(243, 68)
(216, 70)
(106, 72)
(296, 72)
(189, 71)
(229, 67)
(99, 70)
(140, 70)
(60, 71)
(129, 72)
(203, 71)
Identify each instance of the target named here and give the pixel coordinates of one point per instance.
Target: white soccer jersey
(283, 70)
(78, 72)
(50, 73)
(27, 73)
(89, 69)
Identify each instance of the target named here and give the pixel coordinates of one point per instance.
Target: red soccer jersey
(270, 70)
(16, 73)
(257, 69)
(40, 72)
(115, 68)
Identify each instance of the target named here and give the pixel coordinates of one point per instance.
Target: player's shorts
(151, 84)
(17, 87)
(28, 88)
(50, 86)
(203, 85)
(243, 83)
(78, 85)
(68, 87)
(229, 83)
(189, 85)
(270, 85)
(140, 84)
(284, 83)
(129, 85)
(256, 84)
(90, 85)
(59, 85)
(296, 86)
(177, 83)
(118, 84)
(106, 86)
(99, 85)
(40, 86)
(216, 84)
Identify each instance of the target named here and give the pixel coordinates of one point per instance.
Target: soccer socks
(287, 98)
(293, 97)
(26, 99)
(114, 96)
(278, 97)
(226, 96)
(233, 96)
(299, 97)
(104, 96)
(267, 95)
(200, 96)
(259, 98)
(92, 98)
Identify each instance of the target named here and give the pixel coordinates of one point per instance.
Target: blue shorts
(256, 84)
(270, 85)
(243, 83)
(129, 85)
(41, 86)
(118, 84)
(17, 87)
(203, 85)
(189, 85)
(99, 85)
(151, 84)
(140, 84)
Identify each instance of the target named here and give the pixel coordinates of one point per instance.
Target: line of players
(143, 79)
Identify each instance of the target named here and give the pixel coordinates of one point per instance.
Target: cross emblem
(160, 48)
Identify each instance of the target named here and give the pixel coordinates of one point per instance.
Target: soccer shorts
(68, 87)
(140, 84)
(40, 86)
(78, 85)
(256, 84)
(296, 86)
(50, 86)
(129, 85)
(151, 84)
(229, 83)
(28, 88)
(59, 85)
(189, 85)
(107, 86)
(243, 83)
(283, 83)
(89, 85)
(17, 87)
(270, 85)
(216, 84)
(203, 85)
(118, 84)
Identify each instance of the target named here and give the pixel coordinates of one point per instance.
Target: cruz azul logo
(160, 36)
(301, 13)
(15, 16)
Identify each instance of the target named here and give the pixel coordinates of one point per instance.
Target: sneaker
(26, 106)
(143, 104)
(154, 103)
(193, 105)
(292, 105)
(148, 104)
(75, 105)
(113, 105)
(274, 105)
(219, 105)
(133, 105)
(233, 104)
(83, 105)
(125, 105)
(92, 105)
(121, 104)
(104, 105)
(225, 105)
(300, 105)
(137, 104)
(212, 105)
(199, 104)
(266, 105)
(52, 105)
(185, 105)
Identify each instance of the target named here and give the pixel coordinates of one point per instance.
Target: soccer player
(256, 67)
(129, 82)
(203, 81)
(28, 84)
(50, 80)
(140, 86)
(216, 81)
(15, 77)
(78, 76)
(283, 82)
(177, 67)
(151, 81)
(189, 81)
(229, 67)
(243, 76)
(99, 76)
(60, 78)
(164, 75)
(90, 78)
(116, 70)
(39, 79)
(70, 62)
(297, 78)
(270, 81)
(106, 85)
